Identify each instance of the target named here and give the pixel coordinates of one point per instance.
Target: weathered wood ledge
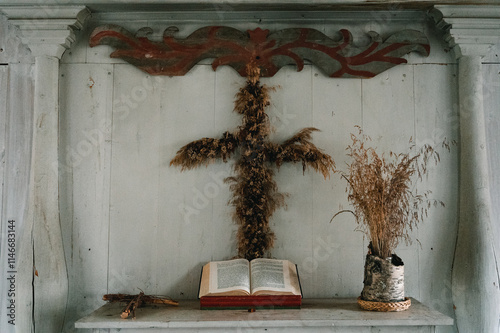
(339, 312)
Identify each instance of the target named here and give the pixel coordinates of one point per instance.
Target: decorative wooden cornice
(270, 51)
(47, 30)
(470, 30)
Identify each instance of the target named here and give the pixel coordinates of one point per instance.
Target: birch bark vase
(383, 279)
(384, 285)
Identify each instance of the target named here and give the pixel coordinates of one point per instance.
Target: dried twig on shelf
(132, 305)
(135, 301)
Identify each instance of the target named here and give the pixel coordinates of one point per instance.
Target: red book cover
(251, 302)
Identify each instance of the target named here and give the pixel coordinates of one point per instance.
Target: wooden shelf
(315, 313)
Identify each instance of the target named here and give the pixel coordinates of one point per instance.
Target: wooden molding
(47, 30)
(469, 30)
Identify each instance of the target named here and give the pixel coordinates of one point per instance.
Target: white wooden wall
(16, 109)
(131, 221)
(3, 144)
(491, 90)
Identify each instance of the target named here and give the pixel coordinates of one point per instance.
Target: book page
(274, 277)
(227, 278)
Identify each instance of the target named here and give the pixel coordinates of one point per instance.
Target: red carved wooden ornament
(270, 51)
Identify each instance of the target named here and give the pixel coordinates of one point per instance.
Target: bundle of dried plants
(383, 193)
(255, 193)
(136, 301)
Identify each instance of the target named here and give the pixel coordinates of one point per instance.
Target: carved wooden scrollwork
(270, 51)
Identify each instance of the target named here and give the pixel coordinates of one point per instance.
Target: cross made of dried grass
(255, 193)
(386, 205)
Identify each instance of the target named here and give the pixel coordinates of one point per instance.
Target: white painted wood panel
(4, 250)
(84, 164)
(491, 91)
(388, 108)
(164, 224)
(189, 234)
(16, 108)
(337, 109)
(43, 279)
(19, 129)
(134, 200)
(4, 74)
(436, 117)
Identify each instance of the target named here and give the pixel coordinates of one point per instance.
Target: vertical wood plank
(3, 143)
(48, 271)
(388, 108)
(491, 91)
(187, 234)
(4, 249)
(338, 251)
(436, 117)
(19, 124)
(134, 200)
(84, 162)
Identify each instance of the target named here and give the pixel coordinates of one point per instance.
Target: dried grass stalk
(205, 151)
(380, 188)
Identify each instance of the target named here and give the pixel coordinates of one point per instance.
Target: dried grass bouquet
(381, 188)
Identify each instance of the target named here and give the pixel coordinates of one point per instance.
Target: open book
(239, 277)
